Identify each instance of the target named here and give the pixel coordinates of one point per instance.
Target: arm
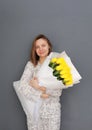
(25, 87)
(54, 93)
(35, 84)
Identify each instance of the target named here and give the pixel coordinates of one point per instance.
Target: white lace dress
(50, 110)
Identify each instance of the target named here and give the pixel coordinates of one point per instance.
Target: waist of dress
(52, 100)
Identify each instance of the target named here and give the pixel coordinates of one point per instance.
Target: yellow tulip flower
(68, 83)
(66, 75)
(59, 67)
(60, 60)
(53, 60)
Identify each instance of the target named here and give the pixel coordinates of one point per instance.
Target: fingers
(34, 84)
(43, 88)
(35, 78)
(45, 96)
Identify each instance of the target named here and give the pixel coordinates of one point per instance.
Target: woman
(49, 114)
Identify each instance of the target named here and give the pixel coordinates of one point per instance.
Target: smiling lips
(41, 52)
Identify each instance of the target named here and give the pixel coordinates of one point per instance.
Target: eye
(43, 45)
(36, 47)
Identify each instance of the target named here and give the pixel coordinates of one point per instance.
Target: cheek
(37, 51)
(46, 48)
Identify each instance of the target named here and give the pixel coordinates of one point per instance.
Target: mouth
(41, 52)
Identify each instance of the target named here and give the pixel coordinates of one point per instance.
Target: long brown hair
(33, 56)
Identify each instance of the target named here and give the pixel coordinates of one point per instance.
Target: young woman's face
(42, 47)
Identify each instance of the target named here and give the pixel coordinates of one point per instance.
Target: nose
(40, 48)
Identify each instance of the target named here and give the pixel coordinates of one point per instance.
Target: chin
(43, 55)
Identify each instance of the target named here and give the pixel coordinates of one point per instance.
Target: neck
(41, 60)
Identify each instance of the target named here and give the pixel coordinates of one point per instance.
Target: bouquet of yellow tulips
(58, 71)
(61, 70)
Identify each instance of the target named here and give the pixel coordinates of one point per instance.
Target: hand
(43, 89)
(34, 83)
(45, 96)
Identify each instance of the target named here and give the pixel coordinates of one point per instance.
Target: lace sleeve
(55, 93)
(25, 88)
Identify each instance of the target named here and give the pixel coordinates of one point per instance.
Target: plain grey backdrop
(68, 25)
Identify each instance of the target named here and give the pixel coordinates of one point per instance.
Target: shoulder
(29, 64)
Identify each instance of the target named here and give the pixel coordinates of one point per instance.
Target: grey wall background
(68, 24)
